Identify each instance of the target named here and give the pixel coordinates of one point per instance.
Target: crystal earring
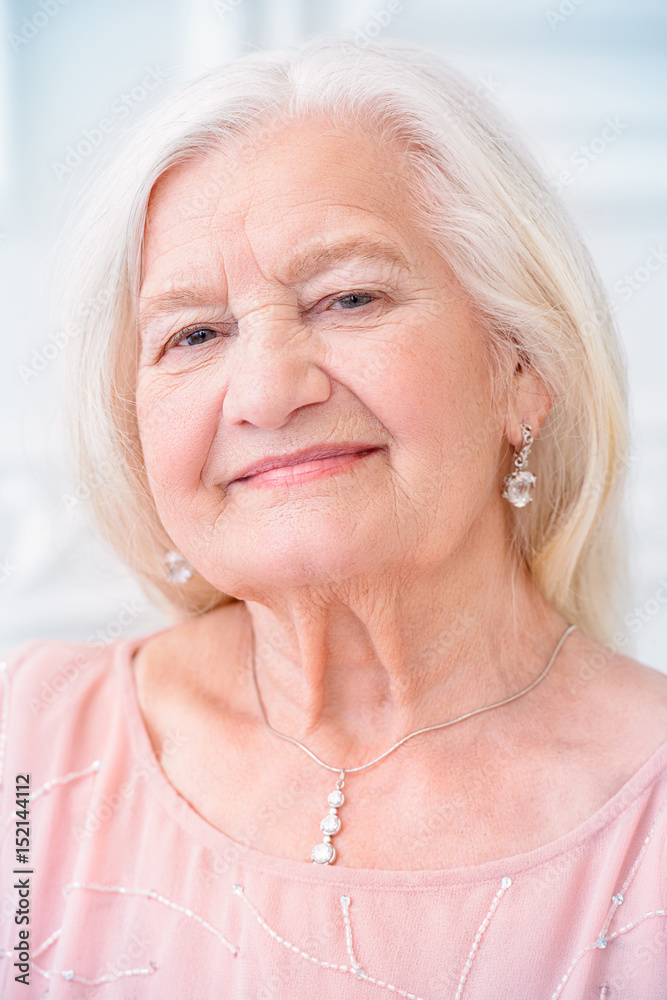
(517, 485)
(179, 569)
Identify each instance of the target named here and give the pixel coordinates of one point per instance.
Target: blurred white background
(584, 79)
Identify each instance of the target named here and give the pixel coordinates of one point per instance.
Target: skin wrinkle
(412, 502)
(383, 598)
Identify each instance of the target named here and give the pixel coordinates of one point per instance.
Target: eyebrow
(309, 262)
(370, 250)
(163, 303)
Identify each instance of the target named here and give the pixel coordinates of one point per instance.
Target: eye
(353, 300)
(193, 338)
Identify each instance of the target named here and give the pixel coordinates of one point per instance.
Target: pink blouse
(130, 893)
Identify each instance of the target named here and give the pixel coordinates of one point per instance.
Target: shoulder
(616, 705)
(601, 670)
(40, 674)
(57, 706)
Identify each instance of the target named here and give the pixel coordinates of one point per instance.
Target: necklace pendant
(325, 853)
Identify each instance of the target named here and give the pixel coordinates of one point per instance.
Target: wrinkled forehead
(294, 183)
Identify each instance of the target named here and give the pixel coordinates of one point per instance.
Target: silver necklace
(324, 853)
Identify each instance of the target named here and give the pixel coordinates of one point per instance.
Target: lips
(305, 457)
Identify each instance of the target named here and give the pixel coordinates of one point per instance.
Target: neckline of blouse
(179, 808)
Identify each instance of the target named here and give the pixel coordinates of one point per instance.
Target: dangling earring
(517, 485)
(179, 569)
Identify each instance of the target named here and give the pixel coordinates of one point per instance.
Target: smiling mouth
(301, 472)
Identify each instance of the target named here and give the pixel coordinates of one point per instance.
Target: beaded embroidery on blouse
(357, 967)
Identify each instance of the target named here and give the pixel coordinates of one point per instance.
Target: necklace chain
(427, 729)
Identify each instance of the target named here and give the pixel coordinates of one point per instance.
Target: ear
(528, 402)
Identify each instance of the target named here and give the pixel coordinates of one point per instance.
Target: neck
(350, 670)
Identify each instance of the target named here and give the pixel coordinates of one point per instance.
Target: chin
(309, 557)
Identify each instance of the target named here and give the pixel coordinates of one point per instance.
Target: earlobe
(529, 404)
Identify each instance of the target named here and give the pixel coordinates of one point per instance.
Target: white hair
(490, 212)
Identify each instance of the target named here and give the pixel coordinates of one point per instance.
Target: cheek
(177, 422)
(425, 389)
(435, 397)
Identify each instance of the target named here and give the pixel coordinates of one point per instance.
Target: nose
(271, 373)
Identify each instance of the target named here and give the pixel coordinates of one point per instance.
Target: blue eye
(198, 337)
(353, 300)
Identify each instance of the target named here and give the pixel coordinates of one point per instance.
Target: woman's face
(289, 300)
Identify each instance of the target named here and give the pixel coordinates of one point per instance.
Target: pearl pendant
(325, 853)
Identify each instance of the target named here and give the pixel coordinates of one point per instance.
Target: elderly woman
(365, 411)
